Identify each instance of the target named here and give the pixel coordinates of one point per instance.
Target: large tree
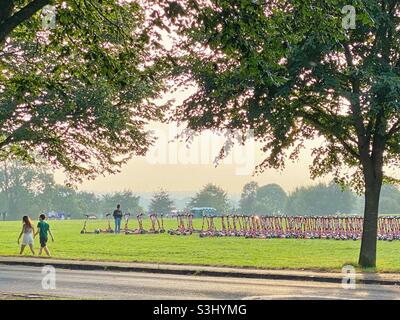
(248, 198)
(212, 196)
(127, 199)
(292, 72)
(161, 203)
(270, 199)
(20, 187)
(80, 94)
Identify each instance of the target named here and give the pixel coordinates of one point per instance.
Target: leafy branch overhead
(291, 72)
(81, 94)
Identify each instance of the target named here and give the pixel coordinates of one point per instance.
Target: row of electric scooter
(285, 227)
(264, 227)
(157, 225)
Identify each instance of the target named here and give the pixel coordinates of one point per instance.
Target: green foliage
(211, 196)
(20, 186)
(31, 190)
(292, 72)
(321, 200)
(127, 199)
(270, 199)
(79, 95)
(62, 199)
(248, 198)
(390, 200)
(161, 203)
(266, 200)
(289, 71)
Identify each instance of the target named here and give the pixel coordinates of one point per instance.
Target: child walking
(43, 229)
(27, 232)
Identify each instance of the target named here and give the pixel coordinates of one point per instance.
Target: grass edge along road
(309, 254)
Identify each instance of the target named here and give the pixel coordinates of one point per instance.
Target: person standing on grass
(27, 232)
(117, 218)
(43, 229)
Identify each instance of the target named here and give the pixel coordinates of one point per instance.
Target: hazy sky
(140, 174)
(174, 167)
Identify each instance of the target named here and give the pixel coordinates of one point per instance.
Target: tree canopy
(390, 200)
(79, 95)
(21, 187)
(161, 203)
(320, 199)
(30, 190)
(248, 198)
(270, 199)
(211, 196)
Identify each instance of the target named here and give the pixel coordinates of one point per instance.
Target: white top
(27, 239)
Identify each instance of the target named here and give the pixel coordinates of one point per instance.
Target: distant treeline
(29, 190)
(320, 199)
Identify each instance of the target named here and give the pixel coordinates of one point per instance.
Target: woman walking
(27, 232)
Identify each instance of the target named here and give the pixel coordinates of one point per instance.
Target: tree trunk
(373, 186)
(10, 23)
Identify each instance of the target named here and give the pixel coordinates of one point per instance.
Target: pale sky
(172, 166)
(140, 175)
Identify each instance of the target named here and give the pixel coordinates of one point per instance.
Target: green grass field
(163, 248)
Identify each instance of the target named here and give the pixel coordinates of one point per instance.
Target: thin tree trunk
(7, 188)
(367, 257)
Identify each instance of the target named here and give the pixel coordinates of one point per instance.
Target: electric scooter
(84, 230)
(181, 230)
(162, 230)
(139, 230)
(156, 226)
(108, 229)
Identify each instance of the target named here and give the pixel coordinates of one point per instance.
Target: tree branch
(363, 145)
(323, 129)
(393, 130)
(5, 142)
(7, 8)
(368, 131)
(9, 24)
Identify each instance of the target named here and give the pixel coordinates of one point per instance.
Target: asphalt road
(27, 281)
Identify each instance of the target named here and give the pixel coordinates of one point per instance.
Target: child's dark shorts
(43, 242)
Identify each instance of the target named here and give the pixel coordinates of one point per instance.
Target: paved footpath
(392, 279)
(26, 282)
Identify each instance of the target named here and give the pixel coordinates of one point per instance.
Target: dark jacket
(117, 213)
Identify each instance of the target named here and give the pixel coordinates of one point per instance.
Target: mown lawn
(163, 248)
